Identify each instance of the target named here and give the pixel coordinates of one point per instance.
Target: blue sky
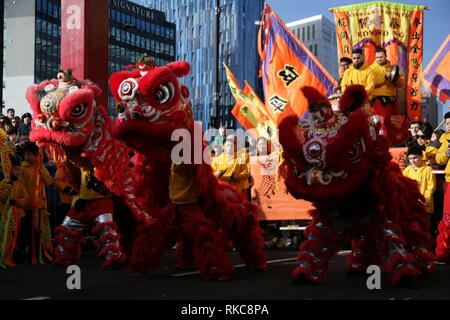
(436, 28)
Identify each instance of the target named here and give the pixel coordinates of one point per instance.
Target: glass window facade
(196, 41)
(132, 32)
(48, 39)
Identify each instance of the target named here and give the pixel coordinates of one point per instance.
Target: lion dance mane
(337, 161)
(152, 105)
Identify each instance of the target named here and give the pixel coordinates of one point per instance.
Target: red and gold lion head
(151, 104)
(65, 112)
(332, 153)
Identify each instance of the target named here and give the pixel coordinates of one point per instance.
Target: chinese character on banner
(288, 75)
(286, 66)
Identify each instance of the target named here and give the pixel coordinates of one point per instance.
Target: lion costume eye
(78, 111)
(164, 93)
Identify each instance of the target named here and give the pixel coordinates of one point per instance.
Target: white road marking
(236, 266)
(342, 252)
(37, 298)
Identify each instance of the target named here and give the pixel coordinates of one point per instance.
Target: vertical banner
(437, 73)
(286, 66)
(343, 37)
(414, 88)
(396, 27)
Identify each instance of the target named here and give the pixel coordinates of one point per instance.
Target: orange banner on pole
(286, 66)
(249, 111)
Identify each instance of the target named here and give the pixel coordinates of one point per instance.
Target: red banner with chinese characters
(396, 27)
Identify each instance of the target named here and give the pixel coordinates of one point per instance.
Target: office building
(319, 35)
(196, 42)
(32, 47)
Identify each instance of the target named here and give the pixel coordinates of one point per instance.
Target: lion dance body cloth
(203, 215)
(340, 163)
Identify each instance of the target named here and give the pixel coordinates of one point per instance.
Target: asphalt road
(165, 284)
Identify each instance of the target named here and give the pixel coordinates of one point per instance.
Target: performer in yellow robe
(233, 166)
(13, 200)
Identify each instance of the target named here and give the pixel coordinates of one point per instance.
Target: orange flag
(287, 65)
(249, 110)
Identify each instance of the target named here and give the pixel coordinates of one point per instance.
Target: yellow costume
(427, 183)
(236, 169)
(10, 216)
(441, 155)
(183, 188)
(61, 183)
(429, 155)
(388, 88)
(34, 178)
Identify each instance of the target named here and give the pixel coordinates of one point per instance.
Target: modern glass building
(196, 43)
(47, 49)
(319, 35)
(32, 47)
(134, 30)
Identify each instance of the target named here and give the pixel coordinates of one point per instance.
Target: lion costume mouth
(316, 176)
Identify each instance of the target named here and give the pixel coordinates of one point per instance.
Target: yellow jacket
(28, 177)
(17, 192)
(88, 193)
(427, 183)
(429, 155)
(363, 76)
(61, 183)
(183, 185)
(441, 155)
(388, 88)
(236, 169)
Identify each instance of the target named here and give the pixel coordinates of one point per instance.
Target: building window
(315, 50)
(326, 32)
(313, 31)
(309, 33)
(303, 33)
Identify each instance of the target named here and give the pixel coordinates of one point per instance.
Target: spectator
(442, 157)
(10, 132)
(435, 138)
(344, 64)
(220, 139)
(2, 121)
(419, 171)
(233, 166)
(23, 132)
(16, 122)
(423, 139)
(10, 113)
(36, 234)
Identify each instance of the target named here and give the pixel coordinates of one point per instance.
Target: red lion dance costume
(76, 134)
(203, 215)
(339, 163)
